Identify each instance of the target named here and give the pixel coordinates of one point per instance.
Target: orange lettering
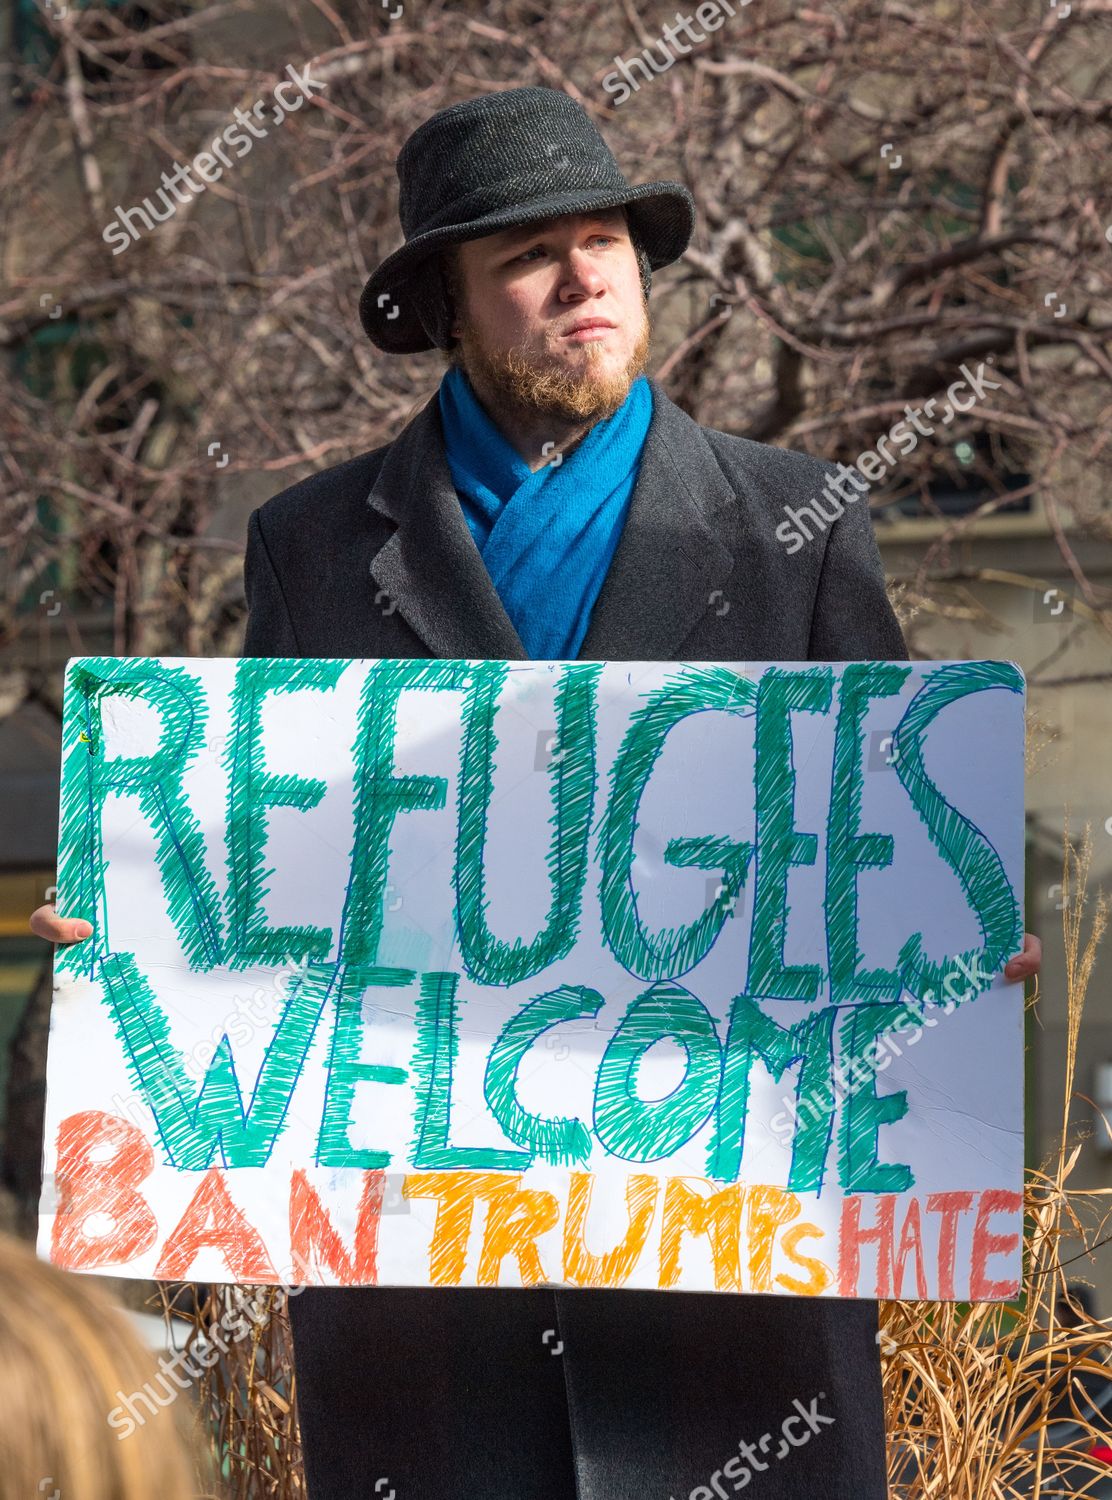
(820, 1277)
(769, 1209)
(514, 1220)
(457, 1192)
(581, 1267)
(718, 1217)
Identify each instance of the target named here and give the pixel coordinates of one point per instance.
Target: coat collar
(668, 563)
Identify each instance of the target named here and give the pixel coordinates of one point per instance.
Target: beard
(515, 377)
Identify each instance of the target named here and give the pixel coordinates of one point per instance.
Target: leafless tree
(885, 193)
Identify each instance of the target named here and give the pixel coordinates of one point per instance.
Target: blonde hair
(67, 1351)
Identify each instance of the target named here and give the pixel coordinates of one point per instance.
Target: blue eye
(523, 257)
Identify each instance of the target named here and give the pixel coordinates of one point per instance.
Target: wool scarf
(547, 537)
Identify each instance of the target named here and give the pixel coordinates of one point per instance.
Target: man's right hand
(46, 923)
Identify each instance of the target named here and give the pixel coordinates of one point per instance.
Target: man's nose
(580, 274)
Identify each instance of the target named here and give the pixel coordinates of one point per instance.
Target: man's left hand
(1025, 965)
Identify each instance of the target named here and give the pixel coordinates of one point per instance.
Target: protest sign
(593, 974)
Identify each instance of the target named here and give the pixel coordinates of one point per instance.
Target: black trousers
(510, 1393)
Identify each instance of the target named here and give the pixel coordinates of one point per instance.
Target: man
(550, 502)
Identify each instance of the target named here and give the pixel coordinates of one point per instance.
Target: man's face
(523, 291)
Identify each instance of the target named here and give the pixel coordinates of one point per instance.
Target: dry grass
(977, 1395)
(971, 1388)
(245, 1418)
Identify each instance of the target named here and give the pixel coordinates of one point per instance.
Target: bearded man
(549, 502)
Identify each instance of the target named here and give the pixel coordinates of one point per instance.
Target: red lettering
(87, 1187)
(981, 1289)
(853, 1237)
(312, 1230)
(911, 1243)
(230, 1233)
(949, 1205)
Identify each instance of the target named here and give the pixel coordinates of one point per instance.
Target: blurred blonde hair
(66, 1352)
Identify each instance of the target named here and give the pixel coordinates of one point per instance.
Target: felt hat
(488, 164)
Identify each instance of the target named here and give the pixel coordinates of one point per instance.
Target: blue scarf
(547, 538)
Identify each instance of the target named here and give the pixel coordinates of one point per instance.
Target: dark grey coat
(583, 1394)
(374, 558)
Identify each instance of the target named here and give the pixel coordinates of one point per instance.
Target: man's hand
(46, 923)
(1025, 965)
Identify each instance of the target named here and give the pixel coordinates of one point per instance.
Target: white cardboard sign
(612, 974)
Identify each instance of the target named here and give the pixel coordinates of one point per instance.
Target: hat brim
(662, 213)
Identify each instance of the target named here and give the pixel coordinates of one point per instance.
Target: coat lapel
(430, 568)
(669, 559)
(667, 565)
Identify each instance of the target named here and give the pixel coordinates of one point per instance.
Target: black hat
(493, 162)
